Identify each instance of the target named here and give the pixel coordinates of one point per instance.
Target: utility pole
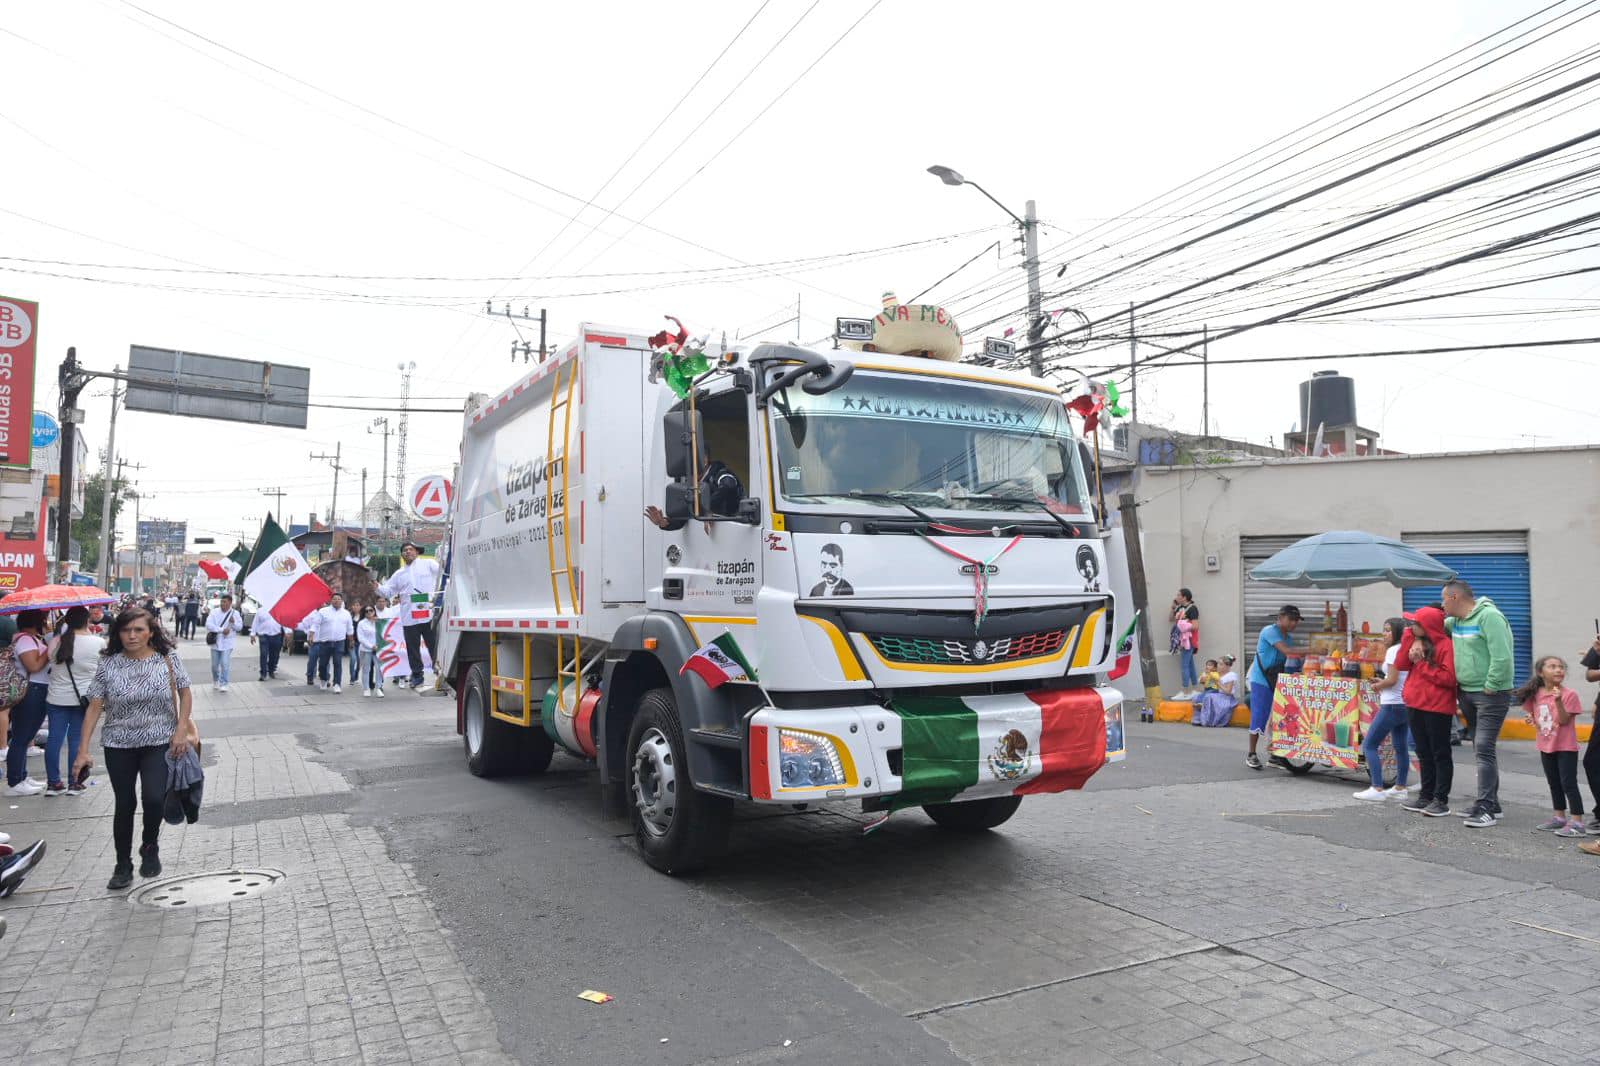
(333, 460)
(71, 383)
(363, 506)
(108, 487)
(383, 482)
(405, 425)
(1133, 368)
(1141, 602)
(278, 494)
(1030, 262)
(1205, 381)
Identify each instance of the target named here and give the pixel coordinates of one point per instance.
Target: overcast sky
(468, 137)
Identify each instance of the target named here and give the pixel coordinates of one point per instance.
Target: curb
(1183, 711)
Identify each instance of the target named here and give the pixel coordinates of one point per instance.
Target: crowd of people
(1446, 681)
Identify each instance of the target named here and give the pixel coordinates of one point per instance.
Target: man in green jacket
(1482, 640)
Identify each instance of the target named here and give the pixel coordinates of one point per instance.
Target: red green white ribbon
(980, 575)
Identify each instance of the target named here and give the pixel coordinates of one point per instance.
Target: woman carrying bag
(33, 656)
(142, 691)
(74, 659)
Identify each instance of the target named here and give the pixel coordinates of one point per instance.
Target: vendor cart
(1321, 719)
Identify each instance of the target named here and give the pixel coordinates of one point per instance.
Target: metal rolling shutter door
(1495, 565)
(1262, 601)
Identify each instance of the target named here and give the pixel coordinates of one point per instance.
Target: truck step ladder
(557, 522)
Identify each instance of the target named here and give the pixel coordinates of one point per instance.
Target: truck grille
(975, 651)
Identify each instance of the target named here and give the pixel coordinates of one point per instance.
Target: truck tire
(973, 815)
(679, 829)
(494, 748)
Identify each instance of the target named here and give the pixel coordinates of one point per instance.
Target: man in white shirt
(266, 627)
(223, 623)
(419, 576)
(334, 628)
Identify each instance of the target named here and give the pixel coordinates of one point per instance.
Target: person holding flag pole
(413, 585)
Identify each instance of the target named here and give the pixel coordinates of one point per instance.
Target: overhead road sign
(164, 381)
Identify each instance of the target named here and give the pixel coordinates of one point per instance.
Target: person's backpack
(13, 680)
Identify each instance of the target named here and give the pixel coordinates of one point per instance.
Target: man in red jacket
(1430, 708)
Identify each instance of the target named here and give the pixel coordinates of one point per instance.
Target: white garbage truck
(790, 576)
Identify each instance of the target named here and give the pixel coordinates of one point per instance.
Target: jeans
(1487, 713)
(369, 670)
(221, 663)
(1187, 674)
(1390, 721)
(66, 728)
(26, 718)
(1560, 770)
(352, 657)
(149, 767)
(1430, 732)
(269, 649)
(187, 625)
(321, 655)
(1260, 707)
(416, 636)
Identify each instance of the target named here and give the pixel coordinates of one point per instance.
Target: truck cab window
(726, 424)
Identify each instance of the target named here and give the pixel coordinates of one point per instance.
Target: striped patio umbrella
(54, 598)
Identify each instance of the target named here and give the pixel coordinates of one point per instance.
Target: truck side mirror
(679, 503)
(750, 511)
(677, 433)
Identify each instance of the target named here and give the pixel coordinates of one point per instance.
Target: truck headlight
(808, 760)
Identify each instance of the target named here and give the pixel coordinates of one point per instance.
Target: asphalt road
(912, 945)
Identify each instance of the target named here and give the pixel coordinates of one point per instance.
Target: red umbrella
(54, 598)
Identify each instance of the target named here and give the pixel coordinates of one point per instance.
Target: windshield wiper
(876, 497)
(1040, 504)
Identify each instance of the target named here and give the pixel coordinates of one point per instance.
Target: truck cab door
(719, 561)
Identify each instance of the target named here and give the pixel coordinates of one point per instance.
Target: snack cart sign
(1321, 719)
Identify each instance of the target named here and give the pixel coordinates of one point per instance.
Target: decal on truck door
(833, 582)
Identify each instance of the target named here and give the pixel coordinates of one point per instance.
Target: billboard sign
(46, 430)
(19, 335)
(159, 535)
(169, 382)
(430, 498)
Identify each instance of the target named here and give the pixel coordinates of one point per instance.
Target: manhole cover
(201, 890)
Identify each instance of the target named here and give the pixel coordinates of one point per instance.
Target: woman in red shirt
(1430, 667)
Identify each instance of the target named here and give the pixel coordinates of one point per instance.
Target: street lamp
(1030, 261)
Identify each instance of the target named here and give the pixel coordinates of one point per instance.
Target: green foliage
(86, 530)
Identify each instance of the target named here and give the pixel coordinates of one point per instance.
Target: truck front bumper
(935, 749)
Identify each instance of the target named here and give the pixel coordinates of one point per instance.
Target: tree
(87, 529)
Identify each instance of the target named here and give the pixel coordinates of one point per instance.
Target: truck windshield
(892, 439)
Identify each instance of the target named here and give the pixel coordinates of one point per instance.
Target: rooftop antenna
(401, 430)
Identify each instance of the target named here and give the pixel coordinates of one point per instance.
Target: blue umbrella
(1346, 558)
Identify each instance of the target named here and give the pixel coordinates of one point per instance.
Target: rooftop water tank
(1327, 399)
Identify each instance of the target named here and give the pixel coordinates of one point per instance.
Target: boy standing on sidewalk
(1482, 639)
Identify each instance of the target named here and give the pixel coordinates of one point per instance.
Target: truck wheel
(493, 747)
(678, 828)
(973, 815)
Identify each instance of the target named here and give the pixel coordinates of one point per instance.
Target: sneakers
(309, 682)
(1373, 794)
(378, 692)
(55, 788)
(1594, 825)
(121, 877)
(1480, 819)
(75, 789)
(149, 860)
(222, 687)
(25, 788)
(1573, 828)
(1400, 791)
(337, 687)
(1417, 803)
(14, 867)
(1550, 825)
(1253, 761)
(5, 838)
(366, 692)
(1279, 760)
(1437, 809)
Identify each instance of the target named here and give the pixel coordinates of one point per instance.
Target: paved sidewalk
(343, 962)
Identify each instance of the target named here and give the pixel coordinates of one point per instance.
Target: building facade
(1522, 526)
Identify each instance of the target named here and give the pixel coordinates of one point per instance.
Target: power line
(1442, 350)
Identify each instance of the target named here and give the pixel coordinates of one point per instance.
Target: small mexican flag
(220, 569)
(281, 580)
(719, 662)
(1125, 650)
(419, 608)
